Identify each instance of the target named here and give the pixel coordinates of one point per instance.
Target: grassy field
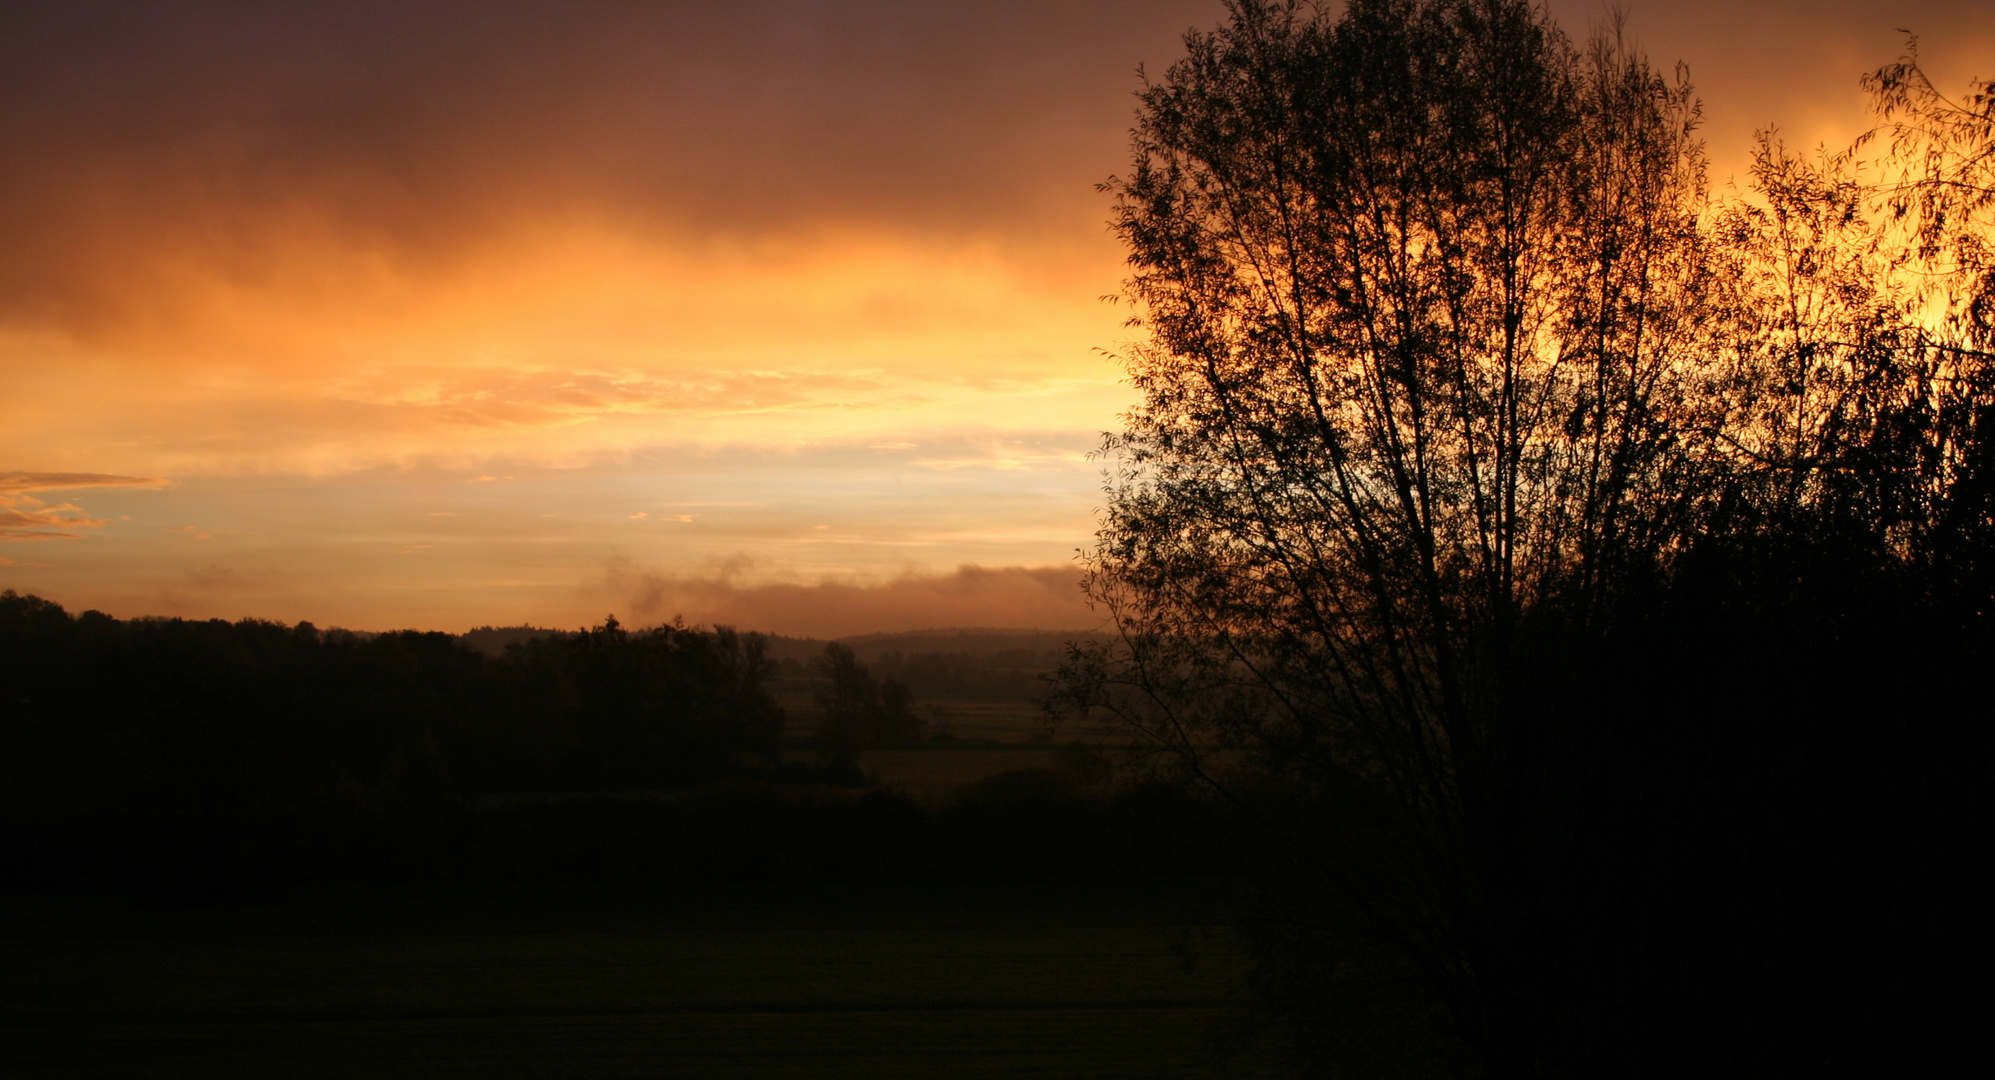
(925, 979)
(971, 721)
(932, 775)
(989, 738)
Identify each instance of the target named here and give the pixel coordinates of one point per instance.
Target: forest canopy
(254, 711)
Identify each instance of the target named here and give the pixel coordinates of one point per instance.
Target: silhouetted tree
(1514, 540)
(1941, 186)
(859, 709)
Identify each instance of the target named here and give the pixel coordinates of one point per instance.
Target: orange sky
(438, 315)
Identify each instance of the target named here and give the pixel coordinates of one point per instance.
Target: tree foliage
(661, 707)
(1941, 187)
(859, 709)
(1504, 521)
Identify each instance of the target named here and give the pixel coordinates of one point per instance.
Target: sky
(785, 314)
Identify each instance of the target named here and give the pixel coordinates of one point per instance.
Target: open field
(969, 721)
(1045, 980)
(931, 776)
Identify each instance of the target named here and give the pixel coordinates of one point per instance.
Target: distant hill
(974, 641)
(1016, 645)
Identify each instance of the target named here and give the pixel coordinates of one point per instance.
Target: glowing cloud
(421, 305)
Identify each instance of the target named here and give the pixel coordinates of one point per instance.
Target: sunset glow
(788, 315)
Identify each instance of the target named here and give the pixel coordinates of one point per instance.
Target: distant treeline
(259, 709)
(211, 755)
(932, 666)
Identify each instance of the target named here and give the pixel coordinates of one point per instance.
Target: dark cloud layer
(144, 137)
(149, 140)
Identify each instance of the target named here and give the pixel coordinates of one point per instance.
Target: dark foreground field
(1095, 979)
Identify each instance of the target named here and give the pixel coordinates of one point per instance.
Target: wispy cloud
(23, 517)
(26, 518)
(16, 482)
(486, 398)
(218, 579)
